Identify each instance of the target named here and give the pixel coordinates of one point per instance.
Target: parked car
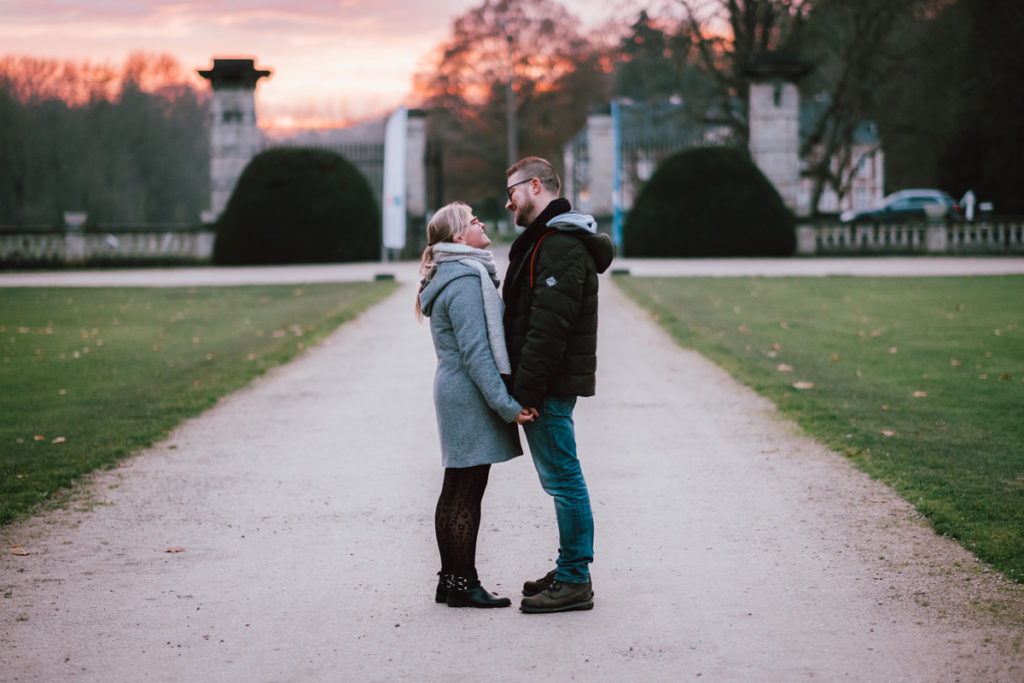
(907, 205)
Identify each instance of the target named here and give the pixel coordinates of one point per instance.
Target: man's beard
(523, 212)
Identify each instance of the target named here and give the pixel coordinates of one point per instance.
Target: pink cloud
(361, 53)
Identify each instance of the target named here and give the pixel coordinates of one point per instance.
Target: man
(550, 295)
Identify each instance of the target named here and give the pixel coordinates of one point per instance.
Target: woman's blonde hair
(447, 223)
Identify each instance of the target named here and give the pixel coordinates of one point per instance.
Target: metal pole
(510, 103)
(616, 178)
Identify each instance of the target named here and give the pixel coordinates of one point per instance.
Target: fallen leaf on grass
(920, 394)
(18, 550)
(59, 439)
(834, 357)
(888, 432)
(803, 385)
(893, 349)
(785, 368)
(39, 438)
(1004, 376)
(955, 363)
(175, 549)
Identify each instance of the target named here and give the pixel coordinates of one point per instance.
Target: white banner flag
(393, 214)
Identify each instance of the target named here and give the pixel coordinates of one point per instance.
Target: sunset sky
(334, 59)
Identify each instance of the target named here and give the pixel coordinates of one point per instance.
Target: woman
(475, 415)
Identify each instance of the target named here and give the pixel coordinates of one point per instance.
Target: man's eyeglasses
(513, 186)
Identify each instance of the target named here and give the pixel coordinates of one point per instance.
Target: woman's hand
(526, 415)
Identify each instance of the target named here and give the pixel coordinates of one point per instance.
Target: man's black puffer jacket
(550, 295)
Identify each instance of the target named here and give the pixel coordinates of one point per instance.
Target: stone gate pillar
(234, 137)
(774, 119)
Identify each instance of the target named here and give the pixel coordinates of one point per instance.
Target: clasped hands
(527, 415)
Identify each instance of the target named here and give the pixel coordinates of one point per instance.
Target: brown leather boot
(560, 597)
(533, 587)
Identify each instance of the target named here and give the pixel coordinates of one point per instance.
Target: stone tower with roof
(234, 137)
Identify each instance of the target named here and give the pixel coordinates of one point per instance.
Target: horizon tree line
(129, 144)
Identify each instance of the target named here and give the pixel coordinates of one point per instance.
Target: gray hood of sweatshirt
(574, 220)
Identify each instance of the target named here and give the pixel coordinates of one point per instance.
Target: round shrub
(709, 202)
(296, 205)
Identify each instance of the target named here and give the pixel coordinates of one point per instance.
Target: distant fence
(143, 245)
(171, 245)
(990, 236)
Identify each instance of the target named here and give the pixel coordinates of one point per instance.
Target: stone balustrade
(28, 249)
(136, 247)
(847, 239)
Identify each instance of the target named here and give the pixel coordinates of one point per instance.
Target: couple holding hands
(520, 357)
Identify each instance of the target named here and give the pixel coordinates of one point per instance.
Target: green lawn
(917, 380)
(90, 375)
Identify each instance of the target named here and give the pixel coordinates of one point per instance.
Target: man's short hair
(535, 167)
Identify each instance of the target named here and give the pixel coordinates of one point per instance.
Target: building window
(829, 202)
(861, 198)
(864, 166)
(232, 117)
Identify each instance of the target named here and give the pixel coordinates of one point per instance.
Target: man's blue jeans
(552, 442)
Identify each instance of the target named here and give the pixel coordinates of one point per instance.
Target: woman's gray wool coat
(475, 414)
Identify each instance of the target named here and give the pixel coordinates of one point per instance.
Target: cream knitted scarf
(482, 261)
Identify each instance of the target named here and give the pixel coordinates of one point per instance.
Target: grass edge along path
(918, 381)
(92, 375)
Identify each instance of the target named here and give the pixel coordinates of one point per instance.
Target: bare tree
(555, 73)
(730, 37)
(857, 45)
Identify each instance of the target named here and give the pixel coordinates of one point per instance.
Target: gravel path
(729, 546)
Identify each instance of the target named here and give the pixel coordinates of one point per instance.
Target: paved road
(729, 546)
(406, 271)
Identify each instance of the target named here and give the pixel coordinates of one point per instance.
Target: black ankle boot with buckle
(467, 592)
(444, 584)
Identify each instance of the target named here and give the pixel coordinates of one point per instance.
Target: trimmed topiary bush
(296, 205)
(709, 202)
